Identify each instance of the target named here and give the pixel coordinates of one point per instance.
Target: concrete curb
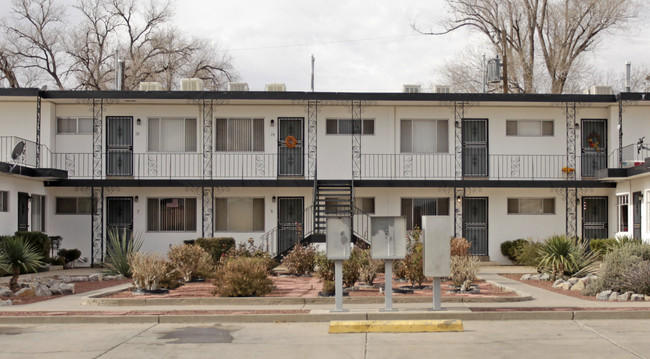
(326, 317)
(395, 326)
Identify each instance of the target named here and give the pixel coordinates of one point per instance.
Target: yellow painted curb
(395, 326)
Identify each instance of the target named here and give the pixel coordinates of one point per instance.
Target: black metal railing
(633, 155)
(28, 155)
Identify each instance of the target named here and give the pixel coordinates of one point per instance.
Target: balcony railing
(633, 155)
(29, 154)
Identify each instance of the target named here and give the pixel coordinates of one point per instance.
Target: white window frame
(76, 209)
(541, 128)
(622, 209)
(185, 223)
(37, 201)
(184, 135)
(251, 215)
(259, 146)
(539, 212)
(77, 120)
(433, 137)
(338, 126)
(4, 201)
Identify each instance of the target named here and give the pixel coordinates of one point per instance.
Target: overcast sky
(359, 45)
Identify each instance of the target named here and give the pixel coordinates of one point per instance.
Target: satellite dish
(18, 150)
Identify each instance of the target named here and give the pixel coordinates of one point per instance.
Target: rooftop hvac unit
(151, 86)
(442, 89)
(412, 89)
(237, 86)
(599, 90)
(276, 87)
(494, 71)
(192, 84)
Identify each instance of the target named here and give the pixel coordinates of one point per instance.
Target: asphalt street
(481, 339)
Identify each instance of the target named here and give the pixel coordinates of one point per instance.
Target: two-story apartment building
(270, 166)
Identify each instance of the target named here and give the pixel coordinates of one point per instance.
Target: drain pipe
(628, 68)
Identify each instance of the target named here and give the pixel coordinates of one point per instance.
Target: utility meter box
(437, 248)
(339, 237)
(388, 237)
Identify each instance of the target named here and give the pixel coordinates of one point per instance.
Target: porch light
(136, 199)
(459, 199)
(458, 124)
(273, 199)
(272, 122)
(138, 122)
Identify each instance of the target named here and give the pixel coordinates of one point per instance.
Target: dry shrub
(324, 268)
(464, 269)
(637, 278)
(250, 250)
(149, 270)
(301, 259)
(412, 266)
(243, 277)
(460, 246)
(351, 267)
(368, 267)
(190, 260)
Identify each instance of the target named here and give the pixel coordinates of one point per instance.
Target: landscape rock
(7, 302)
(65, 279)
(41, 290)
(624, 297)
(558, 282)
(637, 297)
(579, 285)
(535, 277)
(79, 279)
(564, 285)
(573, 280)
(525, 277)
(545, 277)
(119, 277)
(25, 292)
(613, 296)
(6, 292)
(67, 288)
(604, 295)
(97, 277)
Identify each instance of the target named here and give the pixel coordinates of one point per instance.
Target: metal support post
(338, 285)
(437, 294)
(388, 287)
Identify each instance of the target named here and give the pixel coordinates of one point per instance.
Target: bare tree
(8, 64)
(214, 67)
(93, 44)
(38, 31)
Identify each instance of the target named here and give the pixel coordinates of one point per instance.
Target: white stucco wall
(14, 184)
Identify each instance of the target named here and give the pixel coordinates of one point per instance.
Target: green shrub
(412, 267)
(602, 245)
(351, 267)
(301, 259)
(527, 254)
(324, 268)
(616, 264)
(369, 267)
(39, 240)
(118, 248)
(464, 269)
(189, 260)
(216, 247)
(69, 255)
(561, 255)
(16, 253)
(243, 277)
(148, 270)
(509, 249)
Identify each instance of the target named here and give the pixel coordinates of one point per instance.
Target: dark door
(290, 222)
(475, 147)
(594, 217)
(636, 215)
(23, 211)
(290, 146)
(119, 146)
(119, 215)
(594, 146)
(475, 224)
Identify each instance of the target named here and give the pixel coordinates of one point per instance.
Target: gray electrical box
(339, 238)
(437, 247)
(388, 237)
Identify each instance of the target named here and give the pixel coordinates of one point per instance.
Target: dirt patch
(308, 287)
(79, 287)
(549, 286)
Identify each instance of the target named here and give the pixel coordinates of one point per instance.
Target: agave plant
(562, 254)
(17, 254)
(120, 245)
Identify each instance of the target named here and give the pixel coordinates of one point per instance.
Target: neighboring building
(173, 166)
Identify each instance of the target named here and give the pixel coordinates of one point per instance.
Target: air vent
(151, 86)
(442, 88)
(276, 87)
(599, 90)
(192, 84)
(412, 89)
(237, 86)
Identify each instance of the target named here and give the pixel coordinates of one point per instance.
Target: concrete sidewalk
(544, 305)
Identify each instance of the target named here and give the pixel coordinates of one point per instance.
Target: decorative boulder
(579, 285)
(558, 282)
(624, 297)
(545, 277)
(604, 295)
(67, 288)
(613, 296)
(637, 297)
(565, 286)
(525, 277)
(6, 292)
(97, 277)
(5, 302)
(65, 279)
(25, 292)
(573, 280)
(41, 290)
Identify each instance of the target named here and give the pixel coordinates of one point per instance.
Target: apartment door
(119, 146)
(475, 147)
(636, 214)
(475, 224)
(290, 146)
(594, 217)
(594, 146)
(119, 215)
(23, 211)
(290, 222)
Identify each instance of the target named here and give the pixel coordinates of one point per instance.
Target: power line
(323, 43)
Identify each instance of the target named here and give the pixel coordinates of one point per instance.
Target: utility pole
(505, 61)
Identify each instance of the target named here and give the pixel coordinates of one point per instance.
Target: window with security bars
(529, 128)
(622, 201)
(73, 205)
(171, 214)
(415, 208)
(344, 126)
(240, 134)
(531, 205)
(4, 201)
(239, 214)
(74, 125)
(171, 134)
(424, 136)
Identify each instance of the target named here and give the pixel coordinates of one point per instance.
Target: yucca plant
(562, 254)
(16, 253)
(120, 245)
